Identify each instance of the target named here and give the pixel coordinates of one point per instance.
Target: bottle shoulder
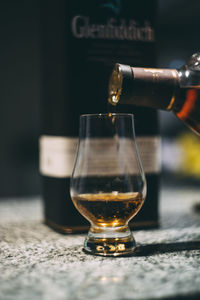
(189, 74)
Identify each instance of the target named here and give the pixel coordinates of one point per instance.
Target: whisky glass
(108, 185)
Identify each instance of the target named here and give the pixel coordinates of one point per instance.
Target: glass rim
(103, 115)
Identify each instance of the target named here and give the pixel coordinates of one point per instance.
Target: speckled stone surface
(38, 263)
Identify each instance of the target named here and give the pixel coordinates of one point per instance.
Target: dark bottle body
(188, 107)
(80, 45)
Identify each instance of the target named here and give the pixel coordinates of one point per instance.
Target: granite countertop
(38, 263)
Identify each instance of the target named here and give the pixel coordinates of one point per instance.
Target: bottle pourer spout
(118, 77)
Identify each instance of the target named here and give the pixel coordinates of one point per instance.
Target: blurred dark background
(177, 38)
(19, 96)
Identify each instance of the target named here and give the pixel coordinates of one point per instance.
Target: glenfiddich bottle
(168, 89)
(81, 41)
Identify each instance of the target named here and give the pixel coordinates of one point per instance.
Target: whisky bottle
(79, 47)
(167, 89)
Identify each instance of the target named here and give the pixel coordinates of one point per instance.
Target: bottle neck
(156, 88)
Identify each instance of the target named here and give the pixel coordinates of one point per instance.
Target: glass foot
(110, 241)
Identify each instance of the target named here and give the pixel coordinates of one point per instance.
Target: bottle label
(112, 29)
(58, 154)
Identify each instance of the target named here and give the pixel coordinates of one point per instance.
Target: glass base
(109, 241)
